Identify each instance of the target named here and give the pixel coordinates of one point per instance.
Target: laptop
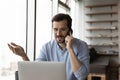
(44, 70)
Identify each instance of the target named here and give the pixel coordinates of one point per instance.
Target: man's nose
(58, 32)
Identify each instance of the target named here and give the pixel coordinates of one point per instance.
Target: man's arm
(75, 63)
(79, 62)
(18, 50)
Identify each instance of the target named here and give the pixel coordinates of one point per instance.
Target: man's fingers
(13, 44)
(11, 48)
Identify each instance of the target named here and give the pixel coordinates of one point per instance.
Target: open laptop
(30, 70)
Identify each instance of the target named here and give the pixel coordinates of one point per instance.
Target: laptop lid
(28, 70)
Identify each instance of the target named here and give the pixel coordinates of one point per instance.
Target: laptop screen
(43, 70)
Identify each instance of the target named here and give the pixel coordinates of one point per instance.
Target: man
(65, 47)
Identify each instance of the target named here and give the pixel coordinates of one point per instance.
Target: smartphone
(70, 32)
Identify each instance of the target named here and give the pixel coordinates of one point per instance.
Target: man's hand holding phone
(69, 40)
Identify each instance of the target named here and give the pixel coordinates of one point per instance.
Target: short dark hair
(62, 16)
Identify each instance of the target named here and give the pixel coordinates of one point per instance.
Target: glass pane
(13, 29)
(43, 26)
(64, 1)
(61, 10)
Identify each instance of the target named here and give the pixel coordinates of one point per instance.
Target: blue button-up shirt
(52, 52)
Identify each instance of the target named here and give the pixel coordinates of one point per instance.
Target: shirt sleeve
(83, 56)
(42, 54)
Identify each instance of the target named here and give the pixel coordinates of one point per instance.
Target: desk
(99, 65)
(98, 68)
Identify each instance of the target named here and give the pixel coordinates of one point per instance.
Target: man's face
(60, 30)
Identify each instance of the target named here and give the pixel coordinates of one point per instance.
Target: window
(19, 25)
(13, 29)
(66, 2)
(63, 6)
(43, 23)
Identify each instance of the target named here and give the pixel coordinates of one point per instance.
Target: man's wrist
(25, 58)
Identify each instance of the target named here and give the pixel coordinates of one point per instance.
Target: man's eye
(63, 29)
(55, 29)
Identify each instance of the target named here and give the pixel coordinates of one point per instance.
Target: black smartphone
(69, 33)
